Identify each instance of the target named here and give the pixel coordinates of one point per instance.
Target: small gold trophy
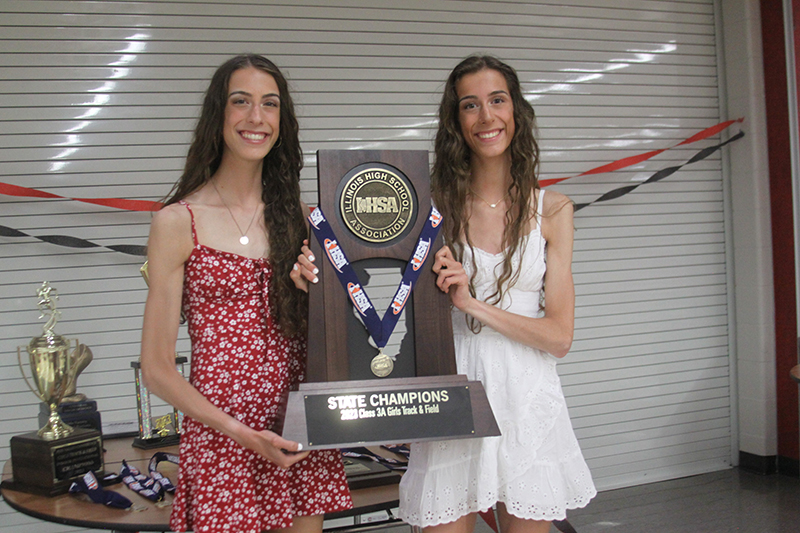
(48, 460)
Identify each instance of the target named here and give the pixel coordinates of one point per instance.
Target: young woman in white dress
(513, 315)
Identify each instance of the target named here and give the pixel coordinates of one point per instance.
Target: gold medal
(381, 365)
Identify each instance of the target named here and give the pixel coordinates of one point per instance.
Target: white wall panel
(98, 99)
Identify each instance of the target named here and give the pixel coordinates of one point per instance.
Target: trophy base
(156, 442)
(344, 414)
(80, 414)
(49, 467)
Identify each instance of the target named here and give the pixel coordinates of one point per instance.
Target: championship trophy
(362, 388)
(161, 431)
(47, 461)
(75, 409)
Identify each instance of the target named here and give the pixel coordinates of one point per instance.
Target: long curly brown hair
(451, 177)
(280, 177)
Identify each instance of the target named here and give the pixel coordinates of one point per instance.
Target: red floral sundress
(245, 366)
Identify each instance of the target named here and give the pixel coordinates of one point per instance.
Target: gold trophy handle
(22, 369)
(79, 359)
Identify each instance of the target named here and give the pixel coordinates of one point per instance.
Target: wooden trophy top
(377, 203)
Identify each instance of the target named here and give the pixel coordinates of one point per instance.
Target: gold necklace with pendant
(244, 239)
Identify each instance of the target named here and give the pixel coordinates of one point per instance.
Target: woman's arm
(169, 246)
(554, 331)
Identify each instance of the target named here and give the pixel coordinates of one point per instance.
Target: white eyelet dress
(536, 467)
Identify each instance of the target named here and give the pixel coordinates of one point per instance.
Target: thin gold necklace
(243, 239)
(490, 204)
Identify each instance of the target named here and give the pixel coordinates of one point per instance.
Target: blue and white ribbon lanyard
(153, 486)
(152, 467)
(379, 329)
(89, 485)
(360, 452)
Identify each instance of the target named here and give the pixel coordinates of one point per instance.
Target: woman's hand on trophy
(452, 278)
(304, 270)
(274, 448)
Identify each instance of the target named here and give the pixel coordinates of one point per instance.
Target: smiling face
(485, 113)
(252, 115)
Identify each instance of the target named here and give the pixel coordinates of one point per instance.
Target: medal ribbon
(379, 329)
(364, 453)
(89, 485)
(138, 482)
(163, 480)
(399, 449)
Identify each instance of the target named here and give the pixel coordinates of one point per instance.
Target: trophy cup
(164, 430)
(48, 460)
(75, 409)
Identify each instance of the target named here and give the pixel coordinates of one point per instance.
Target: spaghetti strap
(539, 211)
(539, 206)
(191, 214)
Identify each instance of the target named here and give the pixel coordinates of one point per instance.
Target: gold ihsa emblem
(376, 205)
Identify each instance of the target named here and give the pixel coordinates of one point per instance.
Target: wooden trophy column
(329, 308)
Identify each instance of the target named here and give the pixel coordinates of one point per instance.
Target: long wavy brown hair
(280, 177)
(451, 177)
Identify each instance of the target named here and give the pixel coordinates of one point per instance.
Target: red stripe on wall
(781, 206)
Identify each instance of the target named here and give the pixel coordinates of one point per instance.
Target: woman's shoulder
(554, 202)
(179, 215)
(172, 216)
(169, 245)
(171, 231)
(557, 220)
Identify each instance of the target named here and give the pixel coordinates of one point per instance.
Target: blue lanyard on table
(361, 452)
(163, 480)
(379, 329)
(399, 449)
(138, 482)
(88, 485)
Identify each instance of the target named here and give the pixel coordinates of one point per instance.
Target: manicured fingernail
(311, 257)
(316, 270)
(299, 447)
(294, 267)
(314, 280)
